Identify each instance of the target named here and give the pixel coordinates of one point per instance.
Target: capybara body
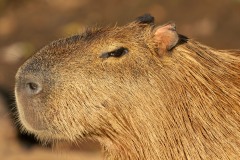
(141, 91)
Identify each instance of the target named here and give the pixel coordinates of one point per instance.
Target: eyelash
(116, 53)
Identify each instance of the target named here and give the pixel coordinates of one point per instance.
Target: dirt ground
(28, 25)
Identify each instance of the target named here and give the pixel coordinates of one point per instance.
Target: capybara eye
(116, 53)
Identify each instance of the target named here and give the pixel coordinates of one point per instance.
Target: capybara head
(142, 91)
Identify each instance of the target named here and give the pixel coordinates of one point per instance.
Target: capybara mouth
(84, 144)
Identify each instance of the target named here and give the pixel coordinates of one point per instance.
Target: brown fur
(184, 104)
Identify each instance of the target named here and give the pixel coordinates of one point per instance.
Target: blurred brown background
(28, 25)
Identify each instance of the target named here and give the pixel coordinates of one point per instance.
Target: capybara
(142, 91)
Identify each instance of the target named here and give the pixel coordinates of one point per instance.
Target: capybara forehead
(132, 32)
(94, 41)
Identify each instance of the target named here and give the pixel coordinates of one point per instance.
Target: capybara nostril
(28, 84)
(32, 88)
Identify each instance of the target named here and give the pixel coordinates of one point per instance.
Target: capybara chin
(142, 91)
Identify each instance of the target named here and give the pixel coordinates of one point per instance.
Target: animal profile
(140, 90)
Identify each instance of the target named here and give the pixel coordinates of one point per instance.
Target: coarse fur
(182, 103)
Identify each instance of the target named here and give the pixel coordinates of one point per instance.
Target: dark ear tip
(146, 19)
(173, 25)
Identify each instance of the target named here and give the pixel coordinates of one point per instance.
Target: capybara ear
(145, 19)
(166, 37)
